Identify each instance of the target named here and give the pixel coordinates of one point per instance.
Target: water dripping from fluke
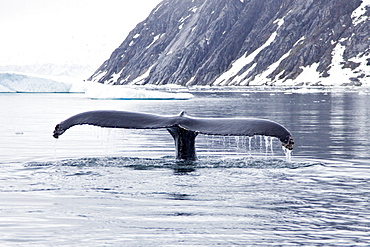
(288, 154)
(238, 145)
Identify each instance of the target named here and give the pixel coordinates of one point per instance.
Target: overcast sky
(66, 31)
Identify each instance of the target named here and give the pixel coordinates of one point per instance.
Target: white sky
(66, 31)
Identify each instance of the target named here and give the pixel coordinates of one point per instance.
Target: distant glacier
(19, 83)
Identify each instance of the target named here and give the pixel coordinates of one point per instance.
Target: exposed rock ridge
(250, 42)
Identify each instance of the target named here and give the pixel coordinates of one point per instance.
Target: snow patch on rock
(358, 15)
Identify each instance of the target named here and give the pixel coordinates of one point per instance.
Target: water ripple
(169, 162)
(215, 200)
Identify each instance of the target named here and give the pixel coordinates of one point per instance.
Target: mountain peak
(250, 42)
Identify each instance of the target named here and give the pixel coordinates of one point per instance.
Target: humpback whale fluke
(182, 127)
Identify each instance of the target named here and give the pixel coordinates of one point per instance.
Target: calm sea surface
(110, 187)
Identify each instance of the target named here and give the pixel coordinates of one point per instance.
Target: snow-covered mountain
(249, 42)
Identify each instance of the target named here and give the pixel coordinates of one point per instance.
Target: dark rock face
(250, 42)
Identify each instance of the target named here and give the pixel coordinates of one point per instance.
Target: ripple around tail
(169, 163)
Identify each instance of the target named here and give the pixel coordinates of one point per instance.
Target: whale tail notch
(182, 127)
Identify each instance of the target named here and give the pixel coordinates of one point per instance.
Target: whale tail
(182, 127)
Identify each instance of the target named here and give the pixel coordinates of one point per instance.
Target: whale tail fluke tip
(288, 144)
(57, 131)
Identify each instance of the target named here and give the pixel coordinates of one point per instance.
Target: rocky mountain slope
(250, 42)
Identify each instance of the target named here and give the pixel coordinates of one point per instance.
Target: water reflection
(179, 196)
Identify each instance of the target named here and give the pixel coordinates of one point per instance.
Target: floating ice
(18, 83)
(101, 91)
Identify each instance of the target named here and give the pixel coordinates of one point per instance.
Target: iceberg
(20, 83)
(118, 92)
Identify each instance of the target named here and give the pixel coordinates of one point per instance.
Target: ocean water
(109, 187)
